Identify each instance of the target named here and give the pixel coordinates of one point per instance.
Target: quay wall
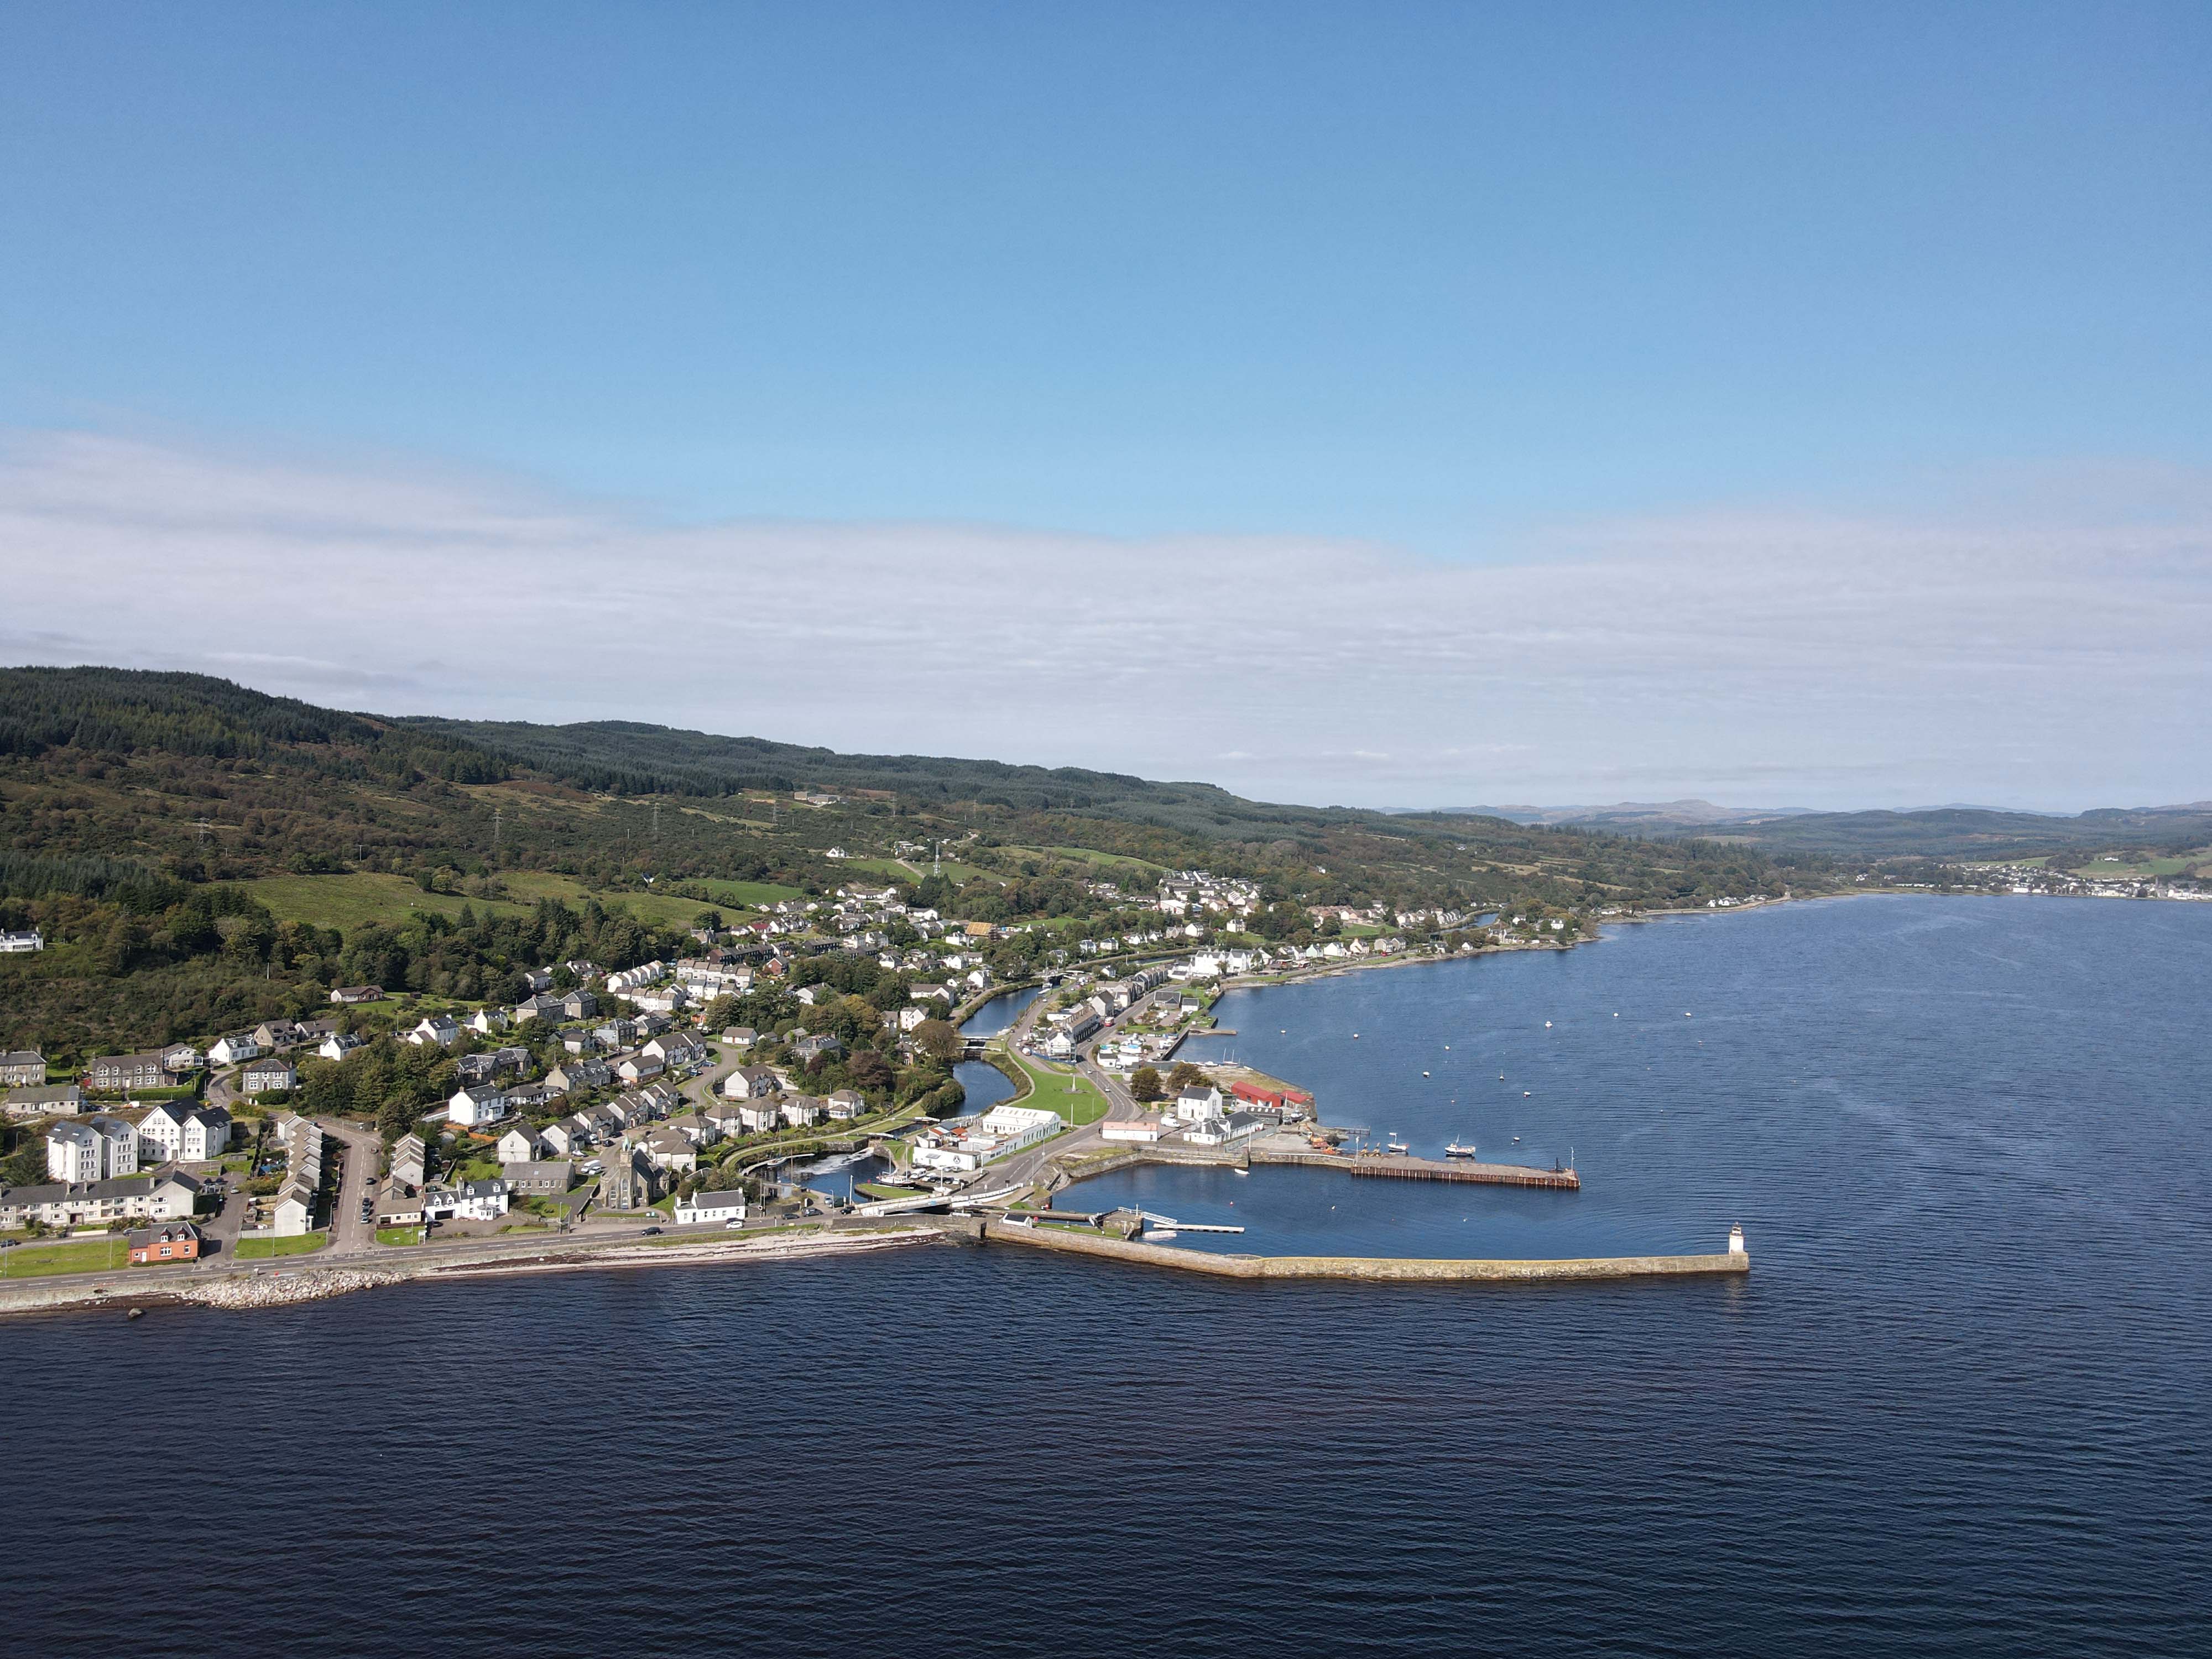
(1377, 1268)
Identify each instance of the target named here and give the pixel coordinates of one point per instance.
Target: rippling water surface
(1960, 1406)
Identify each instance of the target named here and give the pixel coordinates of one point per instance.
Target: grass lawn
(73, 1256)
(399, 1235)
(262, 1249)
(877, 1190)
(1049, 1091)
(354, 900)
(751, 895)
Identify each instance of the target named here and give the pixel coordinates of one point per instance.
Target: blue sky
(1457, 282)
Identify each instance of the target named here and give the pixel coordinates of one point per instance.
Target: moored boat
(1454, 1150)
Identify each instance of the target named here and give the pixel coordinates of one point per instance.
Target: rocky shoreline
(248, 1289)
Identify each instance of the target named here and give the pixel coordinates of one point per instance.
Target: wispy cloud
(2008, 653)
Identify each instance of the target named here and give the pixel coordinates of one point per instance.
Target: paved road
(364, 1155)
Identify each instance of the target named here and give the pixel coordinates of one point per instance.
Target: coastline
(249, 1287)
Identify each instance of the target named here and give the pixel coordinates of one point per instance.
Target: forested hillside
(201, 853)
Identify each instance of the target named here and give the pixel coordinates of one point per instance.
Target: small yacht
(1398, 1147)
(1454, 1150)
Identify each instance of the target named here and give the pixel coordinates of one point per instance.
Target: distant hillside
(1975, 833)
(629, 758)
(199, 855)
(201, 780)
(1642, 817)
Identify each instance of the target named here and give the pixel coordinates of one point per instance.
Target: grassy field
(892, 869)
(1049, 1090)
(399, 1235)
(877, 1190)
(264, 1250)
(2137, 869)
(350, 902)
(355, 900)
(665, 908)
(751, 894)
(1108, 860)
(74, 1257)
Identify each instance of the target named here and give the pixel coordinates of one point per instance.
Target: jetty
(1734, 1261)
(1403, 1166)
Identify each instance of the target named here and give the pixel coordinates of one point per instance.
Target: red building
(173, 1241)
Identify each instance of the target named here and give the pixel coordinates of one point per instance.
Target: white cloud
(2056, 660)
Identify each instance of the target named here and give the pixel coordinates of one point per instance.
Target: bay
(1958, 1407)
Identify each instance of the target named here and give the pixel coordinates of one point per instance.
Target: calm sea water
(1960, 1406)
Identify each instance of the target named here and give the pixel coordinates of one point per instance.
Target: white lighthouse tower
(1736, 1240)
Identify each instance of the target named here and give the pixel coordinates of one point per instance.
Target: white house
(479, 1103)
(670, 1149)
(172, 1132)
(98, 1149)
(472, 1200)
(1198, 1103)
(520, 1144)
(640, 1067)
(750, 1083)
(559, 1138)
(438, 1029)
(169, 1197)
(760, 1115)
(801, 1112)
(487, 1022)
(232, 1049)
(338, 1044)
(1142, 1129)
(294, 1212)
(725, 1207)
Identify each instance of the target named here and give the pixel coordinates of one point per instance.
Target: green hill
(202, 852)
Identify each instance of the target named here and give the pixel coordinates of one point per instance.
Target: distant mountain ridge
(1656, 815)
(1939, 832)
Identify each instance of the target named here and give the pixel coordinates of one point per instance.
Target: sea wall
(245, 1287)
(1381, 1268)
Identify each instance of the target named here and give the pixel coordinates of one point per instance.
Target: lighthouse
(1736, 1240)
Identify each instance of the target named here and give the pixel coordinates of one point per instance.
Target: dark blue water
(987, 1085)
(1959, 1407)
(999, 1012)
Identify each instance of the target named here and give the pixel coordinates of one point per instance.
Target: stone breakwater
(280, 1290)
(1384, 1269)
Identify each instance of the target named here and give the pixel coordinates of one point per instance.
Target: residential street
(361, 1158)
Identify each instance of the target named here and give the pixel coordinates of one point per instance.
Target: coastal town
(702, 1092)
(794, 1067)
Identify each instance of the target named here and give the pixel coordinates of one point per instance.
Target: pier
(1380, 1269)
(1402, 1166)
